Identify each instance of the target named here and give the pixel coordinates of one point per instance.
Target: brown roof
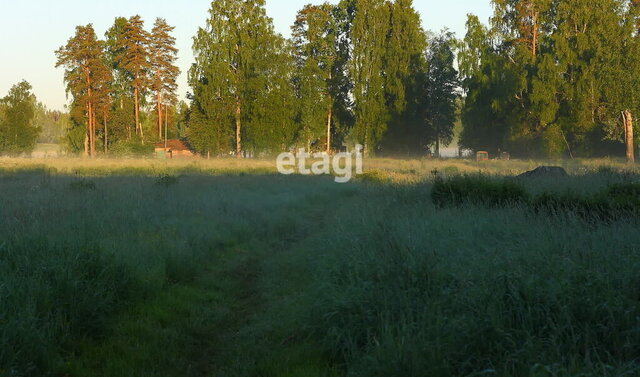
(174, 145)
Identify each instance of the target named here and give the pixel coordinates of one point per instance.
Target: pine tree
(122, 115)
(164, 73)
(103, 98)
(86, 76)
(134, 60)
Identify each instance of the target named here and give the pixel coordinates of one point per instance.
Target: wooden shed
(174, 149)
(482, 156)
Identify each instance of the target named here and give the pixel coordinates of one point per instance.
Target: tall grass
(365, 279)
(417, 291)
(74, 251)
(395, 286)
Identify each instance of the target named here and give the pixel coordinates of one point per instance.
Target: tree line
(545, 78)
(111, 80)
(550, 78)
(359, 72)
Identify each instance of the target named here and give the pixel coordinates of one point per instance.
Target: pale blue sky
(31, 30)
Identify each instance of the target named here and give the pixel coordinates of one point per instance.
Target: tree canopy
(18, 131)
(544, 78)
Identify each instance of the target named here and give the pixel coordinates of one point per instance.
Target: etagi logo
(341, 163)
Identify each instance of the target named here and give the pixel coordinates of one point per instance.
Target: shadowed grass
(177, 273)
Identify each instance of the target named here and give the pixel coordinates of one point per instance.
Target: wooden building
(174, 149)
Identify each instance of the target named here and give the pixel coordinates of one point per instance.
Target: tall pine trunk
(628, 135)
(92, 141)
(88, 142)
(329, 116)
(136, 111)
(87, 147)
(159, 106)
(106, 132)
(238, 129)
(534, 41)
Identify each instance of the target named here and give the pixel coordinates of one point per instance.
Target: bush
(166, 180)
(133, 148)
(623, 196)
(589, 208)
(83, 185)
(477, 189)
(620, 200)
(375, 176)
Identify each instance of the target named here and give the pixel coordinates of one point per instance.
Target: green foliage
(163, 73)
(550, 77)
(440, 102)
(368, 37)
(477, 190)
(314, 36)
(167, 180)
(489, 82)
(53, 124)
(374, 176)
(238, 80)
(87, 77)
(18, 131)
(616, 201)
(131, 148)
(405, 82)
(353, 73)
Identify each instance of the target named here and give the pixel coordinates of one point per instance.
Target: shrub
(622, 196)
(166, 180)
(375, 176)
(133, 148)
(620, 200)
(477, 189)
(83, 185)
(589, 208)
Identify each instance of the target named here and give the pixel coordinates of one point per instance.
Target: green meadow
(226, 268)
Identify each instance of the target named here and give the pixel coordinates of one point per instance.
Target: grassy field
(225, 268)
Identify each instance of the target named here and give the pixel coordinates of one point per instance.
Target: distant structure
(173, 149)
(482, 156)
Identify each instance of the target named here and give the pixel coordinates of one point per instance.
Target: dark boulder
(545, 172)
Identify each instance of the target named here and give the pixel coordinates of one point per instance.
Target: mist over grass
(146, 268)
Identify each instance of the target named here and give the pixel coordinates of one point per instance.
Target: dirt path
(203, 327)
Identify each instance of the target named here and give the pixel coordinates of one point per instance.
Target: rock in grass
(545, 172)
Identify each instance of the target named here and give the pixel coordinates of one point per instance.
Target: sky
(31, 30)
